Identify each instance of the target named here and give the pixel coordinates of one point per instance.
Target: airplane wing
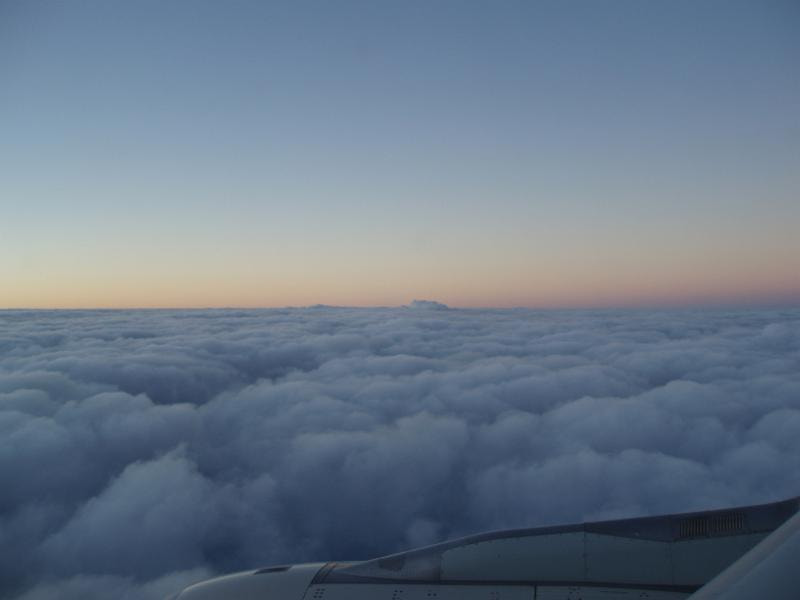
(745, 553)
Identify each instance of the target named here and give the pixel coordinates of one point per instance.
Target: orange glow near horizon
(535, 289)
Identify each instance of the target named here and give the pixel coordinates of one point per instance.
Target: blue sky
(513, 153)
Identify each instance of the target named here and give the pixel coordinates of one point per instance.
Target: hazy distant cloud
(428, 305)
(197, 442)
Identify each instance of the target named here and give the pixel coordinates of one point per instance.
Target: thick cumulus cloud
(144, 450)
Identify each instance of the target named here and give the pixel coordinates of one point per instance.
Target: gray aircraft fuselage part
(275, 584)
(771, 570)
(668, 557)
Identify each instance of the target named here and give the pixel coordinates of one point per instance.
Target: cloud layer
(143, 450)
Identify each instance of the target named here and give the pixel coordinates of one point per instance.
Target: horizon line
(777, 305)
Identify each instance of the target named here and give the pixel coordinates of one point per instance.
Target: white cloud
(146, 449)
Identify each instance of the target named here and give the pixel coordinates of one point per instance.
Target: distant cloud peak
(427, 305)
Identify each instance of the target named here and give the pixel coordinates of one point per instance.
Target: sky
(540, 154)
